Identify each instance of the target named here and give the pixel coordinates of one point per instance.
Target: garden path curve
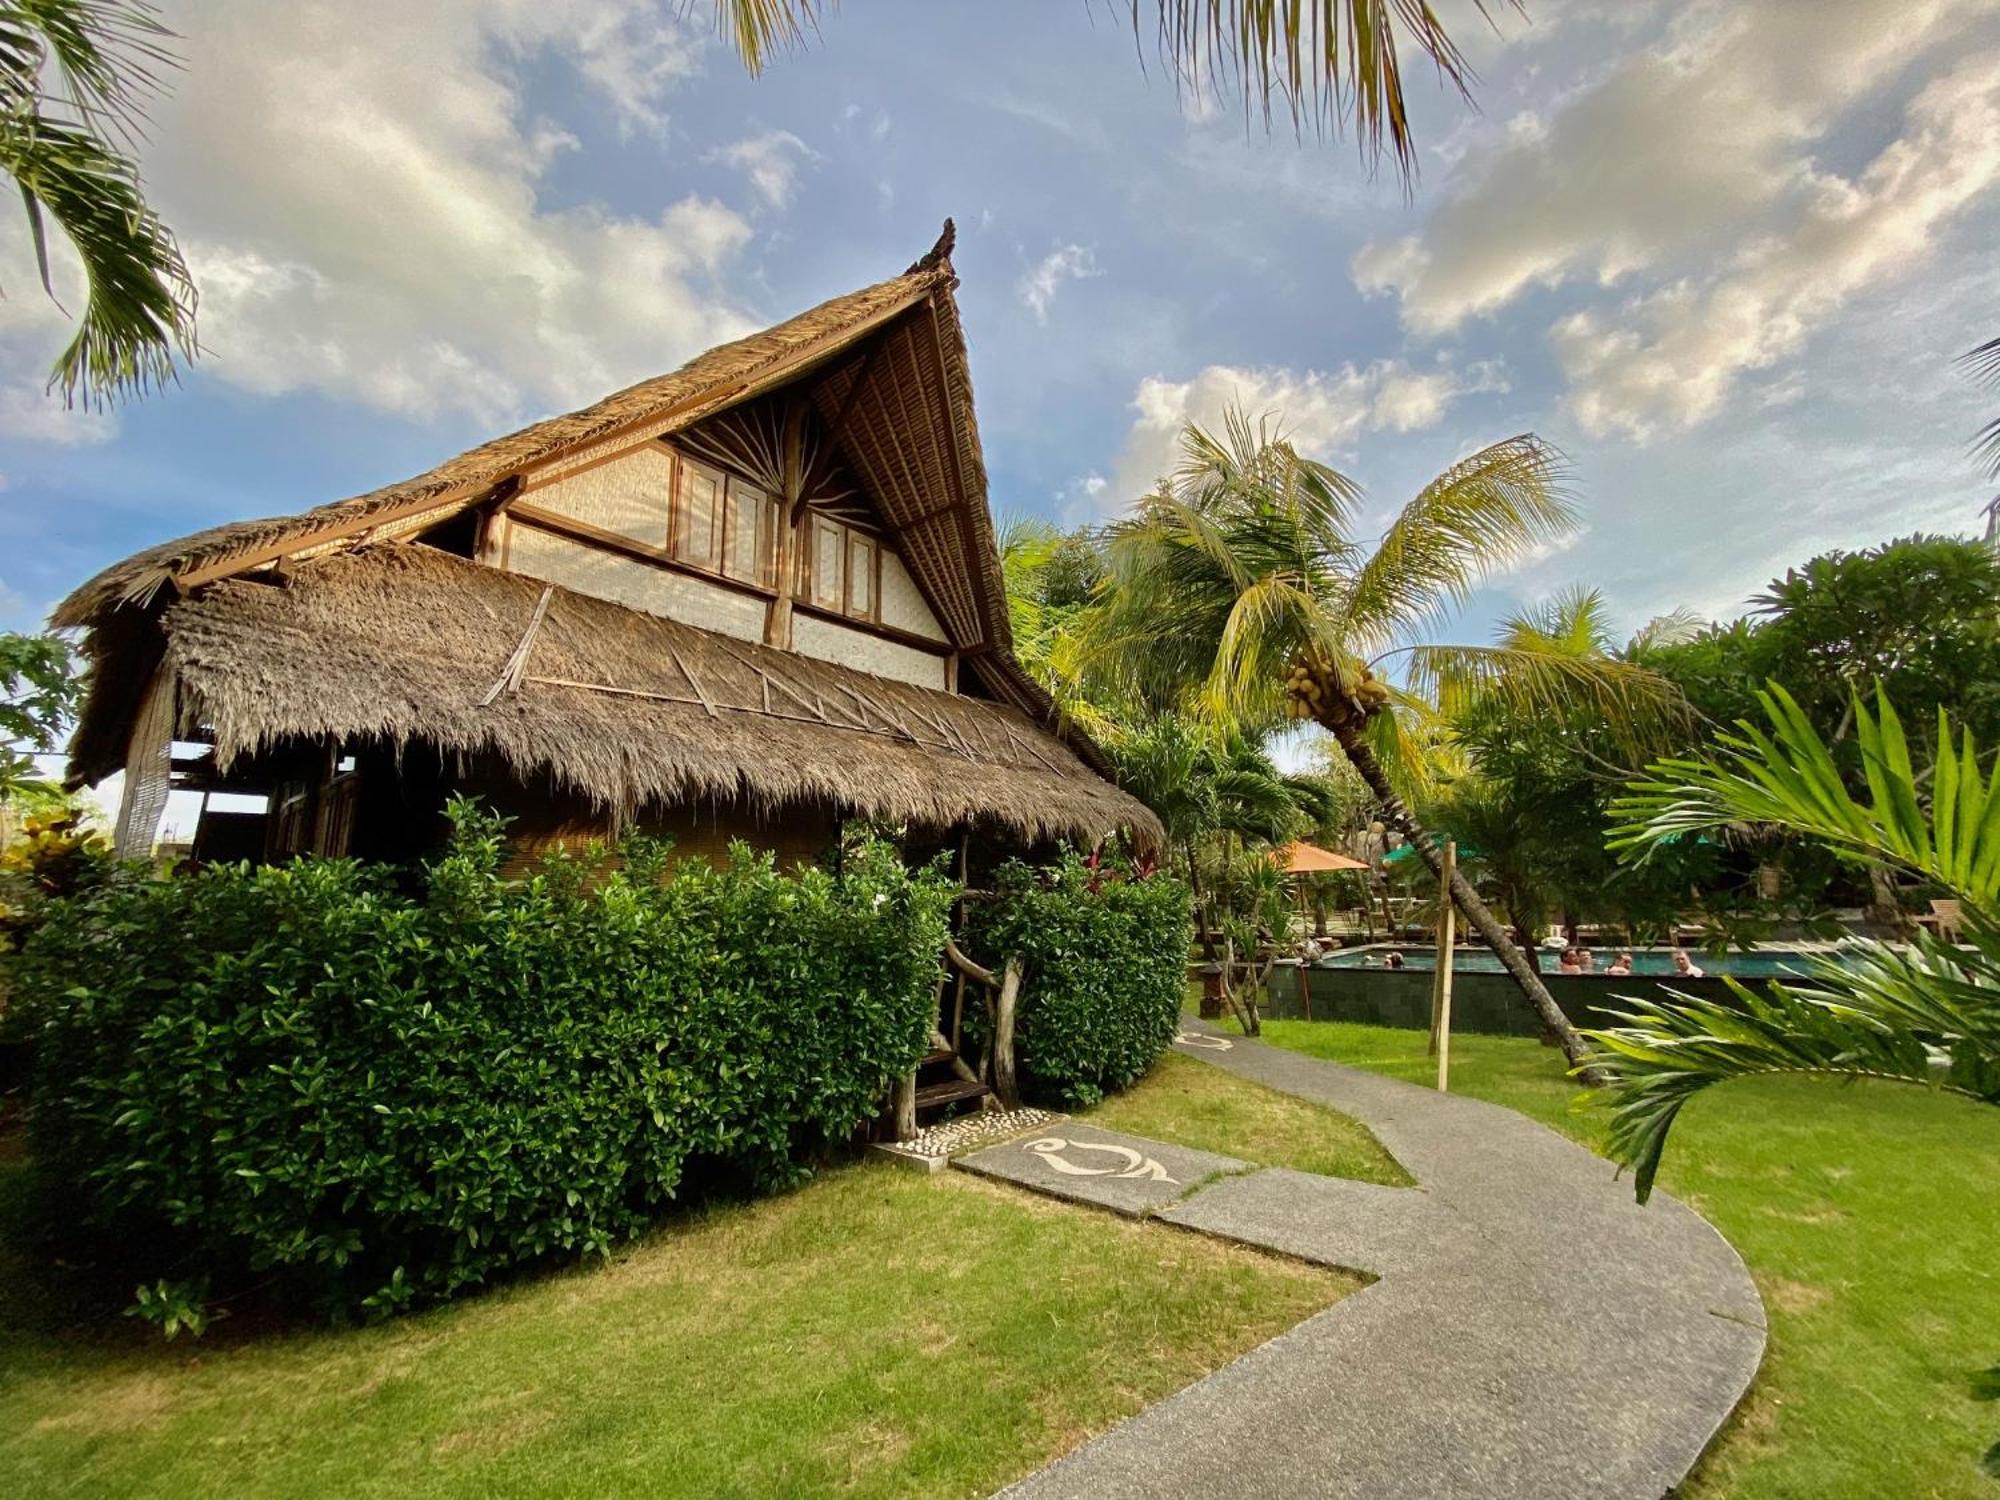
(1534, 1332)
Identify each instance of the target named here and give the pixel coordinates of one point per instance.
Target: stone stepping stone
(1125, 1173)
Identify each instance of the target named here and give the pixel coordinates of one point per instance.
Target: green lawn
(1192, 1104)
(875, 1333)
(1870, 1216)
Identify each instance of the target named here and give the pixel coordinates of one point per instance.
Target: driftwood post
(1441, 984)
(906, 1106)
(1003, 1034)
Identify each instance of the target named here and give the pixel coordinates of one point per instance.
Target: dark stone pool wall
(1479, 1002)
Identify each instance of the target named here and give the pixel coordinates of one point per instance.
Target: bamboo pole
(1441, 990)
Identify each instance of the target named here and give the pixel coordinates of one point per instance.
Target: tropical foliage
(39, 691)
(1328, 65)
(1927, 1013)
(1239, 591)
(75, 77)
(373, 1098)
(1103, 952)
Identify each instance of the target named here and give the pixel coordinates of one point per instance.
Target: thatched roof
(886, 367)
(398, 643)
(886, 370)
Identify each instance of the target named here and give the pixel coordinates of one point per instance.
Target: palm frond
(1482, 513)
(1328, 63)
(1787, 778)
(1671, 1051)
(1642, 709)
(139, 300)
(1676, 627)
(759, 29)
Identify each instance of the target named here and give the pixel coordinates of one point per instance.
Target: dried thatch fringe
(398, 643)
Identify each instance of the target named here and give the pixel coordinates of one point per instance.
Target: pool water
(1766, 963)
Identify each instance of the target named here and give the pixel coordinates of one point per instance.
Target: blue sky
(1723, 254)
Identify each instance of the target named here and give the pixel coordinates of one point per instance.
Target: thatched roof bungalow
(753, 596)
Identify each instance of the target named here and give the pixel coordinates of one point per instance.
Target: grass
(1191, 1104)
(875, 1333)
(1868, 1213)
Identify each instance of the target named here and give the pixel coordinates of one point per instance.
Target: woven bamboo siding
(627, 495)
(628, 581)
(903, 606)
(824, 640)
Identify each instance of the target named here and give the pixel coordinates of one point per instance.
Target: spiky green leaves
(69, 155)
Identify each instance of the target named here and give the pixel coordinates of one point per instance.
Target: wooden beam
(240, 562)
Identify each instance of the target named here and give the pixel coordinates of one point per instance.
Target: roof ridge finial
(940, 253)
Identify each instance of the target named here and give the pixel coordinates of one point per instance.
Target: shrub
(1104, 966)
(384, 1098)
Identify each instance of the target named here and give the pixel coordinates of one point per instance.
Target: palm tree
(1239, 589)
(1927, 1013)
(67, 150)
(1329, 64)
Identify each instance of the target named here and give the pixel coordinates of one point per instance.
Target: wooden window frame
(764, 545)
(677, 521)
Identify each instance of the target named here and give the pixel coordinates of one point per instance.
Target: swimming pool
(1766, 963)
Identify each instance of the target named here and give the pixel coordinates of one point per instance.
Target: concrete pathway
(1534, 1332)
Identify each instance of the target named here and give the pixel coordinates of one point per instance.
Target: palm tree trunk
(1467, 900)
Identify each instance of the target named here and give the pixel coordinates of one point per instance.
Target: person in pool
(1620, 966)
(1572, 962)
(1393, 960)
(1686, 967)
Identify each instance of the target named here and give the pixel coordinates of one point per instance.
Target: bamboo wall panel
(865, 652)
(626, 580)
(627, 495)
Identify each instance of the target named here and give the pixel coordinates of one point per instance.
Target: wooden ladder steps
(931, 1095)
(942, 1054)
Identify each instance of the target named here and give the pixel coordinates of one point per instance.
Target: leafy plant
(380, 1099)
(39, 691)
(75, 76)
(1328, 65)
(174, 1307)
(1927, 1014)
(1104, 956)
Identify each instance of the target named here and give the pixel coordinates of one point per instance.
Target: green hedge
(1105, 966)
(386, 1097)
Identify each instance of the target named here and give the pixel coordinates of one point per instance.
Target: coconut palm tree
(74, 76)
(1240, 589)
(1328, 64)
(1927, 1013)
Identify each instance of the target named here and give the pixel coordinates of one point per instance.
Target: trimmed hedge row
(1105, 966)
(387, 1097)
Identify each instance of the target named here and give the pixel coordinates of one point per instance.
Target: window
(826, 581)
(750, 533)
(697, 514)
(860, 576)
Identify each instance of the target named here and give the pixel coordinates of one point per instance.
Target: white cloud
(771, 161)
(1671, 155)
(1319, 411)
(366, 221)
(1045, 278)
(1671, 357)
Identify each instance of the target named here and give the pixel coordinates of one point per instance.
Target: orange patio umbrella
(1301, 858)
